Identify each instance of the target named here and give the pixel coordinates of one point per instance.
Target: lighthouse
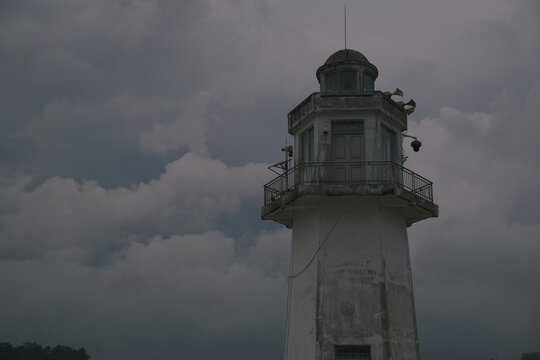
(348, 199)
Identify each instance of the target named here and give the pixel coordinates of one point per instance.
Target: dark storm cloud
(133, 136)
(97, 76)
(173, 296)
(483, 59)
(476, 268)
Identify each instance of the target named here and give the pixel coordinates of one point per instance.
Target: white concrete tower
(349, 201)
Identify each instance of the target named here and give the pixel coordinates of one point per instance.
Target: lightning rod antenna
(345, 16)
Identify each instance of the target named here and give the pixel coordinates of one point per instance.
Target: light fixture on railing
(283, 166)
(288, 151)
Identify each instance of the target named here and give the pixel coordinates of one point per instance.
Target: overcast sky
(134, 141)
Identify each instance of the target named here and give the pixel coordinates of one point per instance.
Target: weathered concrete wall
(371, 120)
(320, 103)
(302, 301)
(358, 289)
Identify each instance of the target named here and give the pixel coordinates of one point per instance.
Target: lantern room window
(369, 83)
(342, 81)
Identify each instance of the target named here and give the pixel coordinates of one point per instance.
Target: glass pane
(388, 144)
(356, 147)
(339, 144)
(347, 127)
(332, 82)
(349, 80)
(304, 139)
(307, 146)
(311, 146)
(384, 144)
(369, 84)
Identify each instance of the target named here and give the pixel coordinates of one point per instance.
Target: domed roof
(347, 56)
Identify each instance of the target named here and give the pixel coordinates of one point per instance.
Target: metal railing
(347, 174)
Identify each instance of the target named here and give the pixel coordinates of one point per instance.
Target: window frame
(340, 80)
(372, 82)
(348, 126)
(308, 134)
(389, 138)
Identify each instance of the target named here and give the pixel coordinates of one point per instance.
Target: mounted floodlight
(411, 103)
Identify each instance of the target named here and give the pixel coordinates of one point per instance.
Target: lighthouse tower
(349, 200)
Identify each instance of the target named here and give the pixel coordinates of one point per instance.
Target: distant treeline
(33, 351)
(530, 356)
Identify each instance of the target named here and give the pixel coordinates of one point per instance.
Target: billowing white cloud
(477, 263)
(188, 131)
(189, 196)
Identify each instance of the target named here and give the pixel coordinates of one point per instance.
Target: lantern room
(348, 120)
(347, 71)
(348, 141)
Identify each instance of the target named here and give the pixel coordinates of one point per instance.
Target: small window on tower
(369, 83)
(353, 352)
(388, 145)
(307, 148)
(344, 80)
(348, 80)
(332, 82)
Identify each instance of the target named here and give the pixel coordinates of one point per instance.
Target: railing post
(286, 180)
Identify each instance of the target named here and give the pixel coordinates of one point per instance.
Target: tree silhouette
(33, 351)
(530, 356)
